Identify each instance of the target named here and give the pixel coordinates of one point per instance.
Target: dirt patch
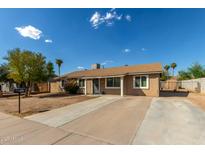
(198, 99)
(33, 105)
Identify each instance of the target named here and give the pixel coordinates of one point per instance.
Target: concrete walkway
(60, 116)
(172, 121)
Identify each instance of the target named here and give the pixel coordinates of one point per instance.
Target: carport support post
(122, 86)
(85, 90)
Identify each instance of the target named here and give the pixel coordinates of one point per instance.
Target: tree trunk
(28, 89)
(173, 72)
(59, 70)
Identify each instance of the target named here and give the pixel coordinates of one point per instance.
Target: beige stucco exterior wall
(153, 89)
(55, 87)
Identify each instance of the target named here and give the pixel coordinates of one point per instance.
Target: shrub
(71, 87)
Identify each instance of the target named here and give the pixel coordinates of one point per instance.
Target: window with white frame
(141, 82)
(113, 82)
(81, 83)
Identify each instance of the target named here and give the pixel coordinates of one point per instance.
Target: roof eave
(117, 75)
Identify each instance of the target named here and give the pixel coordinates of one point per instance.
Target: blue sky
(113, 37)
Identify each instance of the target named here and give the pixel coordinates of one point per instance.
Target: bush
(71, 87)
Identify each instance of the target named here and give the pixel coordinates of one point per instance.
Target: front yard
(38, 103)
(197, 99)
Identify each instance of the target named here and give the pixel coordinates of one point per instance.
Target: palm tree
(50, 70)
(173, 66)
(167, 67)
(59, 63)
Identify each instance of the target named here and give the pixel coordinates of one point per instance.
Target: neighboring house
(6, 87)
(140, 80)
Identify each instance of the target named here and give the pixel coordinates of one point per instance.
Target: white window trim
(147, 87)
(111, 87)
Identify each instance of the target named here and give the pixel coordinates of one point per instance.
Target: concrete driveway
(172, 121)
(105, 120)
(110, 120)
(115, 123)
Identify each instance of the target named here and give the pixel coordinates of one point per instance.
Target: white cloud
(95, 19)
(128, 17)
(29, 31)
(48, 41)
(107, 62)
(126, 50)
(80, 67)
(108, 19)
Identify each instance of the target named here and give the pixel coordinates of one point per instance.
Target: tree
(184, 75)
(173, 66)
(4, 73)
(166, 68)
(163, 76)
(197, 70)
(50, 70)
(26, 67)
(59, 62)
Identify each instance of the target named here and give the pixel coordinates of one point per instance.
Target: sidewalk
(14, 130)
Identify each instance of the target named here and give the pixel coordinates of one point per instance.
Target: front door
(96, 86)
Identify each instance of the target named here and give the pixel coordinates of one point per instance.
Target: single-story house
(143, 80)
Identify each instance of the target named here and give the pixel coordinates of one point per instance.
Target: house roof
(116, 71)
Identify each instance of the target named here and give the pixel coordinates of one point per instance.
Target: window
(141, 81)
(109, 82)
(113, 82)
(81, 83)
(137, 82)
